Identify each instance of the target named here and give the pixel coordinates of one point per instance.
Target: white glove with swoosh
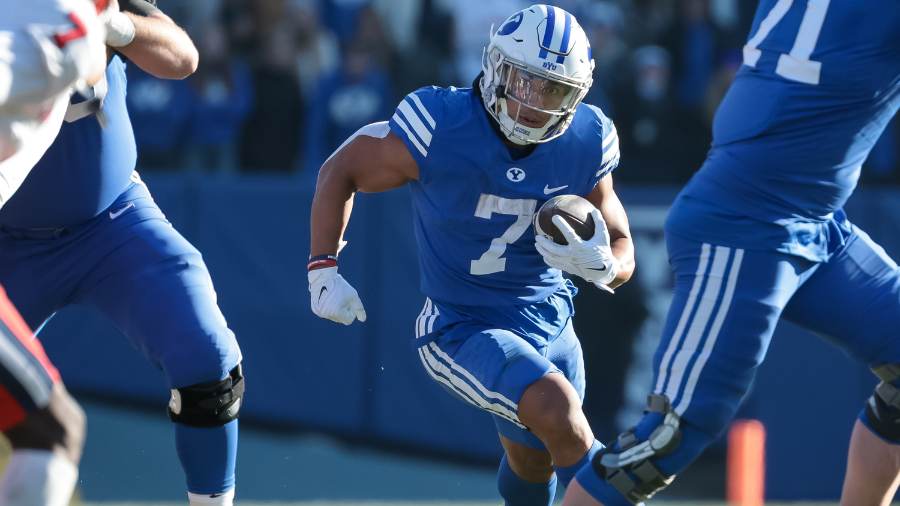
(331, 297)
(590, 259)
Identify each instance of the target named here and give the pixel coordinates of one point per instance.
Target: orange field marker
(746, 467)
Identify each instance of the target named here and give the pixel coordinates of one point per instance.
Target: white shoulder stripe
(413, 121)
(409, 135)
(610, 153)
(423, 110)
(610, 137)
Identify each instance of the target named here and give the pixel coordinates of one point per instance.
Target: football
(574, 209)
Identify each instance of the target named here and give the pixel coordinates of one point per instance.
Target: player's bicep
(604, 198)
(373, 161)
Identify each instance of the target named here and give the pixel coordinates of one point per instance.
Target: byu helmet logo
(515, 174)
(512, 24)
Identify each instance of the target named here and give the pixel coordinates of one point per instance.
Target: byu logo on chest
(515, 174)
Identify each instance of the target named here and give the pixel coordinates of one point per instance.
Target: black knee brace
(883, 407)
(208, 404)
(627, 465)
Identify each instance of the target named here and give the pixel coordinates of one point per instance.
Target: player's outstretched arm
(151, 40)
(372, 160)
(605, 199)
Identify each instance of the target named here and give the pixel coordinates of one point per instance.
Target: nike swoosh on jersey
(115, 214)
(322, 292)
(548, 190)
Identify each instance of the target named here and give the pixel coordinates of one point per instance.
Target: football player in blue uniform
(82, 228)
(759, 234)
(495, 329)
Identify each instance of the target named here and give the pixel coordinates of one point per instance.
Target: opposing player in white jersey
(47, 48)
(496, 326)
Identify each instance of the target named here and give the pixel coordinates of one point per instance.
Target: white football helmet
(537, 69)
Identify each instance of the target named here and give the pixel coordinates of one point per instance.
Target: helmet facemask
(535, 107)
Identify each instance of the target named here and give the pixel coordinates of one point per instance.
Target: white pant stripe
(434, 317)
(454, 382)
(496, 396)
(422, 321)
(419, 320)
(706, 304)
(713, 333)
(685, 314)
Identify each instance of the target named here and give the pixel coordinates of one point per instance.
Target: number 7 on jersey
(492, 260)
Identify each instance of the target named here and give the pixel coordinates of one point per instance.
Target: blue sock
(208, 456)
(566, 474)
(518, 492)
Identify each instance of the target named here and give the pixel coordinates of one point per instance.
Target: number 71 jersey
(820, 81)
(473, 202)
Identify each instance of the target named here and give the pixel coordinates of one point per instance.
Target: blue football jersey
(86, 168)
(474, 203)
(819, 84)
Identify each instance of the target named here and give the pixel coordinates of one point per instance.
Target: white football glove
(331, 297)
(591, 260)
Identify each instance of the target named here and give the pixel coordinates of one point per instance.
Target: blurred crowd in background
(282, 83)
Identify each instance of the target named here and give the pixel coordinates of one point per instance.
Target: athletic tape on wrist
(321, 262)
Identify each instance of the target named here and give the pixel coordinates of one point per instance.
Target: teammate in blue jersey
(759, 234)
(496, 327)
(82, 228)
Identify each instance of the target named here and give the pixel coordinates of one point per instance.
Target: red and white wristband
(321, 262)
